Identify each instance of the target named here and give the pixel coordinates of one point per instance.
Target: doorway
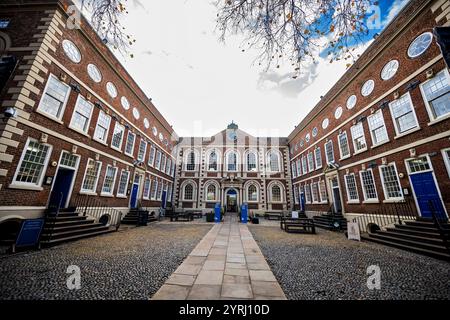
(425, 188)
(134, 197)
(64, 180)
(232, 200)
(336, 192)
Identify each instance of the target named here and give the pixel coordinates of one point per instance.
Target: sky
(200, 84)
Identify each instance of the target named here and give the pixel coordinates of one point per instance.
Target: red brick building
(73, 121)
(233, 167)
(381, 135)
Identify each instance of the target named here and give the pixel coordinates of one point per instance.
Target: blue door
(425, 190)
(61, 188)
(134, 196)
(302, 202)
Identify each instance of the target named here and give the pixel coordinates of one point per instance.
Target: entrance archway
(232, 198)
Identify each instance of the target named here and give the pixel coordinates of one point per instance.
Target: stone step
(76, 237)
(410, 243)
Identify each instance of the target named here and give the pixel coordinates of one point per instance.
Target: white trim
(64, 104)
(268, 162)
(369, 200)
(194, 190)
(121, 139)
(282, 192)
(413, 110)
(246, 153)
(347, 190)
(425, 99)
(218, 159)
(205, 190)
(105, 142)
(340, 147)
(88, 123)
(75, 172)
(238, 158)
(446, 160)
(126, 144)
(126, 183)
(18, 184)
(386, 195)
(371, 130)
(113, 184)
(247, 184)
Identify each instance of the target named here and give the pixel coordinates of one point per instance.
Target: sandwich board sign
(29, 234)
(353, 231)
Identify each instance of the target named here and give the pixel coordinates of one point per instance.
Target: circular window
(71, 51)
(161, 137)
(315, 131)
(367, 88)
(111, 88)
(338, 113)
(302, 143)
(389, 70)
(325, 123)
(351, 102)
(420, 45)
(166, 143)
(94, 73)
(296, 146)
(125, 103)
(146, 123)
(136, 113)
(155, 131)
(307, 137)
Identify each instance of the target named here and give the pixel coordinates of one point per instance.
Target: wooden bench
(300, 225)
(182, 216)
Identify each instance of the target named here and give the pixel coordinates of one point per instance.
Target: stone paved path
(226, 264)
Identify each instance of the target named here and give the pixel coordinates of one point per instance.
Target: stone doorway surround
(226, 264)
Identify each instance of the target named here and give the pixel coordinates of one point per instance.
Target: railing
(53, 209)
(439, 219)
(387, 215)
(102, 212)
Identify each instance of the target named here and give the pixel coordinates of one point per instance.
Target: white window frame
(152, 155)
(216, 193)
(293, 170)
(394, 120)
(320, 191)
(315, 199)
(162, 166)
(141, 155)
(356, 150)
(375, 143)
(342, 157)
(307, 190)
(102, 193)
(158, 159)
(153, 189)
(105, 141)
(94, 191)
(209, 163)
(446, 159)
(64, 103)
(318, 157)
(187, 161)
(132, 146)
(329, 142)
(30, 185)
(118, 125)
(227, 155)
(194, 190)
(146, 196)
(427, 104)
(269, 162)
(347, 189)
(247, 163)
(281, 193)
(386, 195)
(310, 157)
(371, 200)
(88, 123)
(304, 165)
(247, 193)
(298, 164)
(124, 194)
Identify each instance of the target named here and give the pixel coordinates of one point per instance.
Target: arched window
(211, 193)
(274, 161)
(188, 192)
(251, 161)
(276, 193)
(212, 161)
(252, 193)
(232, 161)
(190, 163)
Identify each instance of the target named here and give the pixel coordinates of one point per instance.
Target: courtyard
(183, 260)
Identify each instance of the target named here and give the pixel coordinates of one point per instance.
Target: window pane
(123, 183)
(117, 136)
(276, 194)
(54, 97)
(108, 185)
(358, 137)
(32, 166)
(391, 183)
(130, 143)
(343, 145)
(403, 114)
(376, 125)
(352, 191)
(369, 185)
(437, 92)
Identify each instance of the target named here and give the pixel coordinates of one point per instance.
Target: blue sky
(200, 85)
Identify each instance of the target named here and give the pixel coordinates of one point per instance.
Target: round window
(111, 88)
(307, 137)
(94, 73)
(125, 103)
(315, 131)
(155, 131)
(351, 102)
(302, 143)
(389, 70)
(71, 51)
(146, 123)
(296, 146)
(367, 88)
(136, 113)
(325, 123)
(420, 45)
(161, 137)
(338, 113)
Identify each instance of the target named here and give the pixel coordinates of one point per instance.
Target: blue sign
(217, 213)
(164, 200)
(29, 233)
(244, 213)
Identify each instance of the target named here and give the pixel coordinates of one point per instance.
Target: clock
(232, 135)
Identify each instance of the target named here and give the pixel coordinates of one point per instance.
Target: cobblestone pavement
(328, 266)
(129, 264)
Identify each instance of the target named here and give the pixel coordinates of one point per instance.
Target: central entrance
(232, 200)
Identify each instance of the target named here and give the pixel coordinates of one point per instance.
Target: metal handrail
(93, 207)
(438, 222)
